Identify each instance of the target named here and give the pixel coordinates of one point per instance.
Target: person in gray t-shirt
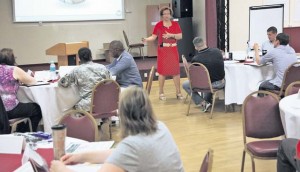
(282, 56)
(147, 144)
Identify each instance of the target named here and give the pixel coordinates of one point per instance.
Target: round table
(290, 115)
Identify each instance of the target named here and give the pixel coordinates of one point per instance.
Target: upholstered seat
(81, 125)
(132, 46)
(262, 122)
(199, 78)
(105, 99)
(264, 148)
(291, 74)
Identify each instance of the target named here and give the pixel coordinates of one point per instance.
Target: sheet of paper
(85, 167)
(11, 144)
(27, 167)
(92, 146)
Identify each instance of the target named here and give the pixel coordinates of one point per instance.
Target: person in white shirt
(269, 45)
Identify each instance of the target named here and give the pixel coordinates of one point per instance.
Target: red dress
(167, 57)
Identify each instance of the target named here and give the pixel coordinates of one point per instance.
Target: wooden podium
(67, 52)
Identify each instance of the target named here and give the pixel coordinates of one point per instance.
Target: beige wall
(30, 40)
(199, 18)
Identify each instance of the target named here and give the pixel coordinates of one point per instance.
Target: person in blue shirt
(123, 66)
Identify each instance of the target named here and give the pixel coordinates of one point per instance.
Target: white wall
(30, 40)
(239, 23)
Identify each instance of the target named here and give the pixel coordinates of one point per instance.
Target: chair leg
(213, 105)
(30, 125)
(188, 112)
(253, 164)
(186, 97)
(140, 48)
(13, 128)
(142, 53)
(243, 161)
(110, 135)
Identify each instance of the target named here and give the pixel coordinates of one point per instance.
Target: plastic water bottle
(52, 71)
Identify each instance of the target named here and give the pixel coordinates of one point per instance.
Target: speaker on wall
(182, 8)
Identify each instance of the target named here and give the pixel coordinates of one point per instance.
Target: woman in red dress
(167, 32)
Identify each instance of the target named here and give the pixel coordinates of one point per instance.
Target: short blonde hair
(136, 113)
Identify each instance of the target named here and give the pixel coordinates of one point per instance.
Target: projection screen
(67, 10)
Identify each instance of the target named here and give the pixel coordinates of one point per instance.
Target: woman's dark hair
(283, 38)
(85, 55)
(164, 9)
(7, 57)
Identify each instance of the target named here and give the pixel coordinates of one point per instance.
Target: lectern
(67, 52)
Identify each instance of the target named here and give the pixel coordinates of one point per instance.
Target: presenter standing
(167, 32)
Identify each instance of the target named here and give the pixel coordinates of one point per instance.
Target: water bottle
(52, 71)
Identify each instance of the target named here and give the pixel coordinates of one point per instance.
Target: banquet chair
(81, 125)
(262, 123)
(200, 82)
(132, 46)
(10, 125)
(14, 123)
(291, 74)
(293, 88)
(186, 68)
(207, 162)
(105, 100)
(150, 79)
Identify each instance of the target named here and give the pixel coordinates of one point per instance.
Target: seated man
(282, 56)
(287, 160)
(269, 44)
(123, 66)
(212, 59)
(85, 77)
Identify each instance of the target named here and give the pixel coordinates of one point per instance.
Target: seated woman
(147, 144)
(11, 77)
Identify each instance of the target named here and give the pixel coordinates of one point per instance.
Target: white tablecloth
(53, 100)
(290, 115)
(241, 80)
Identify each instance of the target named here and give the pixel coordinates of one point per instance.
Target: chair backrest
(150, 79)
(293, 88)
(206, 165)
(185, 65)
(81, 125)
(261, 117)
(4, 123)
(105, 99)
(126, 38)
(291, 74)
(199, 78)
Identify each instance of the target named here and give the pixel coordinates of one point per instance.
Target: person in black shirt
(212, 59)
